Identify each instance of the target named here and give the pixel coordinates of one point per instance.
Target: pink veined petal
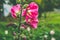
(14, 15)
(18, 5)
(16, 8)
(32, 14)
(34, 23)
(33, 6)
(27, 19)
(24, 12)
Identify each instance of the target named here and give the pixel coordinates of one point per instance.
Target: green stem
(20, 20)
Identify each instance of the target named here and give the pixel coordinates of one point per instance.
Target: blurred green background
(49, 20)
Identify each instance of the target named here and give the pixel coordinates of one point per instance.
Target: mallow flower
(31, 14)
(15, 10)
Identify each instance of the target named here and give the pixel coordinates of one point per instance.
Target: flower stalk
(20, 21)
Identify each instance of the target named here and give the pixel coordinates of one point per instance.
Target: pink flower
(31, 14)
(14, 10)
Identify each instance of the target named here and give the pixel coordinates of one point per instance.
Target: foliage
(44, 28)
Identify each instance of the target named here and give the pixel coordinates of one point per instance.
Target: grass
(53, 17)
(52, 21)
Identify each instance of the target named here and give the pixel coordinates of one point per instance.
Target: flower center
(29, 20)
(28, 12)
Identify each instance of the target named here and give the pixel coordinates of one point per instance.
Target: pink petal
(24, 12)
(34, 23)
(33, 6)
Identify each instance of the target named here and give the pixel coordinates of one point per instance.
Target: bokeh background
(48, 26)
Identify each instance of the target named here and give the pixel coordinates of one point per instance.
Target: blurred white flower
(6, 31)
(45, 36)
(52, 32)
(28, 28)
(53, 38)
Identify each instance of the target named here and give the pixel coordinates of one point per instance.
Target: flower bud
(23, 26)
